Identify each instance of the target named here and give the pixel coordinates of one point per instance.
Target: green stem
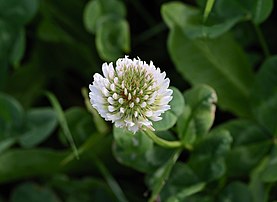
(208, 9)
(116, 189)
(163, 142)
(262, 40)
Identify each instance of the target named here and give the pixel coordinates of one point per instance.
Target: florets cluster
(132, 95)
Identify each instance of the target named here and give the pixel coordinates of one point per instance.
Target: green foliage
(130, 149)
(37, 162)
(82, 189)
(223, 127)
(33, 193)
(251, 143)
(264, 95)
(257, 10)
(14, 16)
(207, 160)
(236, 191)
(169, 118)
(268, 174)
(106, 20)
(223, 61)
(198, 115)
(182, 183)
(40, 123)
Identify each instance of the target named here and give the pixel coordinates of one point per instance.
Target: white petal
(110, 100)
(165, 100)
(132, 105)
(111, 71)
(129, 96)
(156, 118)
(133, 129)
(120, 100)
(111, 108)
(112, 86)
(146, 97)
(143, 104)
(105, 70)
(122, 110)
(105, 91)
(148, 113)
(115, 96)
(119, 124)
(115, 80)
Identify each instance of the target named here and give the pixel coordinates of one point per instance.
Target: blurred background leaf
(57, 46)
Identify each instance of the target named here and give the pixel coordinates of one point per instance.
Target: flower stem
(163, 142)
(262, 40)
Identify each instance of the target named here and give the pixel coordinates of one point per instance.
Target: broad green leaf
(158, 155)
(80, 124)
(95, 9)
(11, 121)
(258, 189)
(40, 123)
(208, 157)
(262, 10)
(168, 121)
(198, 115)
(182, 183)
(7, 36)
(264, 95)
(6, 143)
(177, 103)
(112, 38)
(84, 189)
(240, 160)
(190, 20)
(92, 13)
(269, 173)
(31, 192)
(218, 62)
(200, 198)
(130, 149)
(169, 118)
(245, 132)
(160, 176)
(16, 164)
(18, 48)
(188, 192)
(236, 191)
(256, 10)
(137, 150)
(229, 75)
(115, 7)
(3, 72)
(250, 144)
(18, 12)
(11, 116)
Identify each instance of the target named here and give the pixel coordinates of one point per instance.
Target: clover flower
(131, 95)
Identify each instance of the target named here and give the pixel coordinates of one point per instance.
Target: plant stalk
(162, 142)
(262, 40)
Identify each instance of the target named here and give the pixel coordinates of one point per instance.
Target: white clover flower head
(131, 95)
